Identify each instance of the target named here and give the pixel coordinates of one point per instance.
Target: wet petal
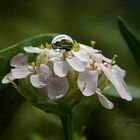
(116, 77)
(38, 81)
(6, 79)
(87, 82)
(20, 72)
(53, 53)
(60, 68)
(57, 87)
(76, 64)
(18, 60)
(104, 101)
(31, 49)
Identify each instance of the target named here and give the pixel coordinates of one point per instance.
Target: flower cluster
(55, 61)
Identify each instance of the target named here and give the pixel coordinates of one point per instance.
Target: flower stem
(67, 126)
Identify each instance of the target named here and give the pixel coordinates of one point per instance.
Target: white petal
(76, 64)
(87, 82)
(45, 69)
(31, 49)
(107, 59)
(60, 68)
(97, 57)
(53, 53)
(38, 81)
(57, 87)
(116, 77)
(120, 85)
(18, 60)
(104, 101)
(82, 55)
(6, 79)
(88, 49)
(55, 58)
(20, 72)
(122, 72)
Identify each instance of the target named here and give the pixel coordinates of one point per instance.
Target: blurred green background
(83, 21)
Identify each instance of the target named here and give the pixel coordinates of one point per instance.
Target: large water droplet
(62, 42)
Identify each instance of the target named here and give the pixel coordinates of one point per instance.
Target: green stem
(67, 126)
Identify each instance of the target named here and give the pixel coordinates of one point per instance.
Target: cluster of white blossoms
(55, 60)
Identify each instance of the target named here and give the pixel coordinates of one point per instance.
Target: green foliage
(131, 39)
(36, 137)
(77, 137)
(133, 43)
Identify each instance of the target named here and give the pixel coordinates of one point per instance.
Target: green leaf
(77, 137)
(7, 53)
(131, 39)
(50, 108)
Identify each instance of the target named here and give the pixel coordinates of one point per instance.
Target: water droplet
(62, 42)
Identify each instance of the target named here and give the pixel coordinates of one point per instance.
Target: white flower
(96, 64)
(40, 77)
(87, 82)
(84, 52)
(18, 61)
(7, 78)
(112, 72)
(57, 87)
(38, 74)
(115, 74)
(104, 101)
(61, 60)
(61, 66)
(31, 49)
(49, 52)
(52, 66)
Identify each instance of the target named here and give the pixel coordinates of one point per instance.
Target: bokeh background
(84, 21)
